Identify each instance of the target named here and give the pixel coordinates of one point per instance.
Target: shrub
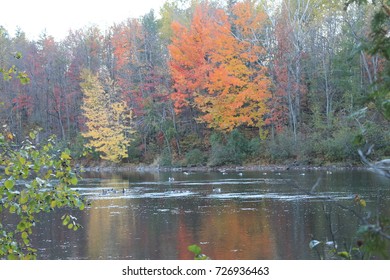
(35, 179)
(165, 158)
(195, 157)
(227, 149)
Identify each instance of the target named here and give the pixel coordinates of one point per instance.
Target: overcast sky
(57, 17)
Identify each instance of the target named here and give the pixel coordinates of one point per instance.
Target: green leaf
(7, 171)
(12, 209)
(24, 235)
(12, 257)
(74, 181)
(66, 220)
(344, 255)
(22, 160)
(32, 135)
(18, 55)
(53, 203)
(65, 156)
(21, 226)
(195, 249)
(23, 197)
(70, 226)
(9, 184)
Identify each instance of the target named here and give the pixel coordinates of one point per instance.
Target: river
(244, 215)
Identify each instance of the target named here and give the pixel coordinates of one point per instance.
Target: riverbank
(105, 167)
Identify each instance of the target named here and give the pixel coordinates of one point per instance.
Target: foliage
(299, 72)
(230, 148)
(36, 178)
(197, 251)
(10, 72)
(195, 157)
(379, 44)
(216, 72)
(372, 238)
(108, 120)
(165, 159)
(282, 147)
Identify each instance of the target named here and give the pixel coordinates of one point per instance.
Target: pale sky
(58, 17)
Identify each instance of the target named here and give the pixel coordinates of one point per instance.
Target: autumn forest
(207, 83)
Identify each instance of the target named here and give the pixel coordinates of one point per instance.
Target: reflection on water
(233, 216)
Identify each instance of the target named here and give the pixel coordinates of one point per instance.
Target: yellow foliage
(108, 118)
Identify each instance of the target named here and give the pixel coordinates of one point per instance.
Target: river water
(233, 215)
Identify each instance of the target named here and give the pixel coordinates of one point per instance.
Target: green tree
(36, 178)
(379, 44)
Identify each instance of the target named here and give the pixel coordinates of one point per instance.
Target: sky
(56, 18)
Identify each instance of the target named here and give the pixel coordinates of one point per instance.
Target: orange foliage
(218, 73)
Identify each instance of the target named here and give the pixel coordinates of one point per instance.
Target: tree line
(209, 82)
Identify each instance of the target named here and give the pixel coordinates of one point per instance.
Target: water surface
(238, 215)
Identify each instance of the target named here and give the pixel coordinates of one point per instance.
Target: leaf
(7, 171)
(12, 209)
(18, 55)
(53, 203)
(65, 156)
(32, 135)
(9, 184)
(195, 249)
(21, 226)
(66, 220)
(24, 235)
(12, 257)
(344, 255)
(74, 181)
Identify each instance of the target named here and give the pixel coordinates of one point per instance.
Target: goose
(216, 190)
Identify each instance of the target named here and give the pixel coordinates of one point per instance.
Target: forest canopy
(209, 83)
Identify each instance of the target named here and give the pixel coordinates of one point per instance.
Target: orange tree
(219, 72)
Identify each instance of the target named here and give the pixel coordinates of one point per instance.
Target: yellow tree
(108, 120)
